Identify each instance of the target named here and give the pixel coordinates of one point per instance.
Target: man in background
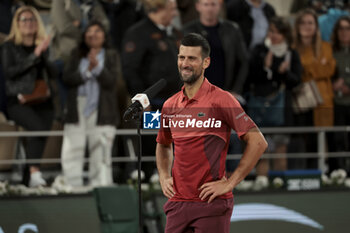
(149, 51)
(229, 58)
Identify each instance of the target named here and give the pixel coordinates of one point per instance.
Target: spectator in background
(328, 20)
(90, 75)
(318, 65)
(329, 12)
(341, 87)
(24, 59)
(229, 66)
(69, 19)
(122, 14)
(150, 51)
(252, 17)
(275, 69)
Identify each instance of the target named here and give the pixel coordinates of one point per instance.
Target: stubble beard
(192, 79)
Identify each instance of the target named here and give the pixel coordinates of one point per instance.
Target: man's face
(190, 63)
(169, 12)
(209, 9)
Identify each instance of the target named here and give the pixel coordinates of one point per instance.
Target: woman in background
(275, 70)
(25, 61)
(91, 110)
(318, 65)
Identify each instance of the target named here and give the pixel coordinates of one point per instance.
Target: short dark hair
(196, 40)
(283, 27)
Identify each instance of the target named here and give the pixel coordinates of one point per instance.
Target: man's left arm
(256, 145)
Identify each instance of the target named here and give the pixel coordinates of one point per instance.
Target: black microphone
(141, 100)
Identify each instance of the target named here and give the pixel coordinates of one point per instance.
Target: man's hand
(167, 187)
(164, 158)
(214, 189)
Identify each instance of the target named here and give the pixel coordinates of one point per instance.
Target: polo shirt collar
(203, 90)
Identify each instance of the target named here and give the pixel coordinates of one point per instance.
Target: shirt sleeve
(234, 115)
(164, 134)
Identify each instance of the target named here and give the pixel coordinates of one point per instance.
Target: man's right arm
(164, 158)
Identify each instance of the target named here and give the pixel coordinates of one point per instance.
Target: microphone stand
(135, 111)
(137, 117)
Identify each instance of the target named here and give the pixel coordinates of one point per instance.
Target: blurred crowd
(77, 73)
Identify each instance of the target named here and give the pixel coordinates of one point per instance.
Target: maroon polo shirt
(200, 129)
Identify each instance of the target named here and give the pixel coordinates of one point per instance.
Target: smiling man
(200, 194)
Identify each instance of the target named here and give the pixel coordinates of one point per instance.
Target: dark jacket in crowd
(149, 55)
(261, 85)
(239, 12)
(107, 104)
(122, 15)
(236, 56)
(6, 15)
(21, 68)
(187, 10)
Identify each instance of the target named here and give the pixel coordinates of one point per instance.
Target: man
(229, 57)
(253, 18)
(149, 54)
(150, 49)
(198, 120)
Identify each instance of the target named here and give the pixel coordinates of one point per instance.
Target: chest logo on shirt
(201, 114)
